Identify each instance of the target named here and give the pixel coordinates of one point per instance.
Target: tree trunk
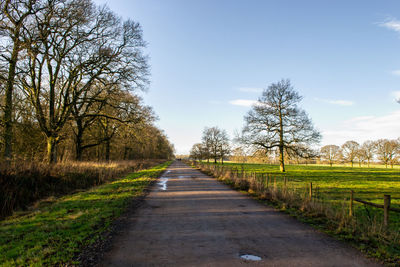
(107, 150)
(215, 160)
(51, 149)
(281, 159)
(78, 141)
(125, 152)
(222, 160)
(281, 156)
(8, 102)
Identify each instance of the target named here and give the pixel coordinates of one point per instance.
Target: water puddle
(162, 183)
(250, 257)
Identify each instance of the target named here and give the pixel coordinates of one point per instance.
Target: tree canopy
(276, 122)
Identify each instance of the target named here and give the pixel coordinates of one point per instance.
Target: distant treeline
(70, 73)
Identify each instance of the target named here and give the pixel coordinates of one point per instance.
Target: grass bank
(24, 183)
(54, 233)
(328, 207)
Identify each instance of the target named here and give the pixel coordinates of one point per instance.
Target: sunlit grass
(53, 234)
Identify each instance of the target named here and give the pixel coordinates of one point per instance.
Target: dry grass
(24, 183)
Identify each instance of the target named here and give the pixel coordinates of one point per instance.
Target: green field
(334, 183)
(54, 233)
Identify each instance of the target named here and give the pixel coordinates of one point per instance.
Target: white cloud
(391, 24)
(364, 128)
(243, 102)
(250, 89)
(396, 72)
(396, 95)
(341, 102)
(336, 102)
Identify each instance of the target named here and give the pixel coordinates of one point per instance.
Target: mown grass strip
(53, 234)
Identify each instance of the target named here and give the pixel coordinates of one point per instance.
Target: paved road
(190, 219)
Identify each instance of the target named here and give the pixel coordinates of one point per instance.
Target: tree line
(70, 73)
(385, 150)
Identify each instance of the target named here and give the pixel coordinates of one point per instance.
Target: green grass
(335, 183)
(54, 233)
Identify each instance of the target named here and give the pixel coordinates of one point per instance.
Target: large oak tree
(276, 122)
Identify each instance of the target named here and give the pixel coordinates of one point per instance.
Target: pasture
(335, 183)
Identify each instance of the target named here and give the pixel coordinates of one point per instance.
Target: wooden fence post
(386, 207)
(267, 179)
(351, 203)
(311, 191)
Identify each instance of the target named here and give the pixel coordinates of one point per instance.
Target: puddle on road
(250, 257)
(162, 183)
(184, 176)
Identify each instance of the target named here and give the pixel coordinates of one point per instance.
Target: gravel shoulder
(190, 219)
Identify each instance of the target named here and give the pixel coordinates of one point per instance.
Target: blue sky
(211, 59)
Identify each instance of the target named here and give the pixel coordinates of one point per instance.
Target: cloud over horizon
(243, 102)
(391, 24)
(339, 102)
(396, 95)
(364, 128)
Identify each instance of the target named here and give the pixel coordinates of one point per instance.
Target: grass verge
(54, 233)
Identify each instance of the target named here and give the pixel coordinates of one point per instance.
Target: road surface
(190, 219)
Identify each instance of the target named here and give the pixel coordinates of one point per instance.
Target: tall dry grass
(23, 183)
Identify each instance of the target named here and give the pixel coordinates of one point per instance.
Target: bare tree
(77, 44)
(216, 142)
(350, 150)
(366, 151)
(15, 18)
(277, 122)
(331, 153)
(198, 152)
(386, 151)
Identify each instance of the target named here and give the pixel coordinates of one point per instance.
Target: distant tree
(350, 150)
(331, 153)
(198, 152)
(216, 142)
(277, 122)
(366, 152)
(224, 148)
(386, 151)
(239, 154)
